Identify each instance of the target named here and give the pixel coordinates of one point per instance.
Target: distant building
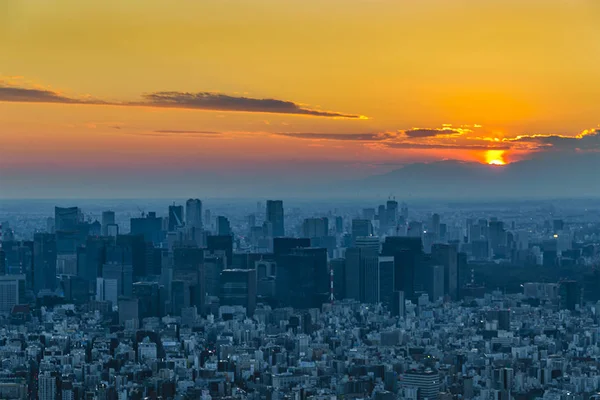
(108, 218)
(193, 213)
(275, 216)
(238, 288)
(12, 292)
(175, 217)
(426, 381)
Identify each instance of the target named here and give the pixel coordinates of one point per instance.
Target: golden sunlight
(495, 157)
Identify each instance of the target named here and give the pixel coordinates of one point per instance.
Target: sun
(495, 157)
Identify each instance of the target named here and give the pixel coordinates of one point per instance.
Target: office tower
(223, 244)
(415, 229)
(408, 258)
(44, 262)
(67, 218)
(369, 244)
(447, 256)
(238, 288)
(47, 388)
(302, 279)
(398, 304)
(175, 217)
(339, 225)
(134, 249)
(433, 283)
(50, 225)
(107, 290)
(386, 270)
(369, 213)
(223, 226)
(188, 267)
(404, 211)
(149, 226)
(91, 258)
(207, 218)
(426, 381)
(338, 266)
(570, 295)
(180, 296)
(315, 227)
(76, 290)
(353, 274)
(193, 214)
(123, 274)
(361, 227)
(434, 226)
(251, 221)
(108, 218)
(275, 216)
(12, 292)
(480, 249)
(148, 296)
(369, 278)
(391, 211)
(497, 236)
(214, 264)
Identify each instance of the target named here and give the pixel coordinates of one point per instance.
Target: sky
(143, 97)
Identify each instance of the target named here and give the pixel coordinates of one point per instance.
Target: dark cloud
(369, 137)
(23, 95)
(173, 131)
(441, 146)
(223, 102)
(427, 133)
(587, 140)
(194, 101)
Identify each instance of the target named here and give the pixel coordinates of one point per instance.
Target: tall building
(44, 262)
(175, 217)
(223, 226)
(361, 227)
(391, 214)
(193, 213)
(284, 245)
(315, 227)
(12, 292)
(223, 243)
(427, 382)
(47, 387)
(408, 258)
(67, 218)
(303, 279)
(238, 288)
(123, 274)
(148, 296)
(447, 256)
(149, 226)
(275, 216)
(108, 218)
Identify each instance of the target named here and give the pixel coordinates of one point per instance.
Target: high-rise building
(108, 218)
(223, 226)
(149, 226)
(408, 258)
(148, 296)
(107, 290)
(391, 213)
(353, 274)
(223, 243)
(284, 245)
(426, 381)
(315, 227)
(193, 213)
(123, 274)
(303, 278)
(44, 262)
(67, 218)
(275, 216)
(361, 227)
(238, 288)
(47, 387)
(447, 256)
(175, 217)
(12, 292)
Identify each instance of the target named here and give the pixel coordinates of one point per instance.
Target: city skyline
(109, 95)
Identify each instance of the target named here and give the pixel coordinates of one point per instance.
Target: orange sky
(437, 79)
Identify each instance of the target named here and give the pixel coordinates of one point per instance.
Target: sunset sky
(99, 92)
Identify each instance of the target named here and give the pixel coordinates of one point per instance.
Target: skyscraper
(175, 217)
(44, 262)
(238, 288)
(361, 227)
(193, 213)
(67, 218)
(108, 218)
(223, 226)
(447, 256)
(408, 257)
(275, 216)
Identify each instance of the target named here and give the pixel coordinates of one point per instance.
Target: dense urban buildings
(384, 302)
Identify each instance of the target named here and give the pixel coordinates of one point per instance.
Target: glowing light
(495, 157)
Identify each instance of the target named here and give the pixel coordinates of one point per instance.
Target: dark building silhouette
(222, 243)
(108, 218)
(302, 279)
(175, 217)
(570, 295)
(408, 258)
(148, 295)
(315, 227)
(284, 245)
(67, 218)
(238, 288)
(193, 214)
(134, 245)
(275, 216)
(188, 268)
(223, 226)
(150, 227)
(361, 227)
(338, 266)
(44, 262)
(447, 256)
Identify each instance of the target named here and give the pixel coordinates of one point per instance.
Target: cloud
(416, 133)
(442, 146)
(183, 100)
(588, 140)
(369, 137)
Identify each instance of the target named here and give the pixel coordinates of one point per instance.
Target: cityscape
(300, 200)
(475, 301)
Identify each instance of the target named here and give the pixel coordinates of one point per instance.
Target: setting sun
(495, 157)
